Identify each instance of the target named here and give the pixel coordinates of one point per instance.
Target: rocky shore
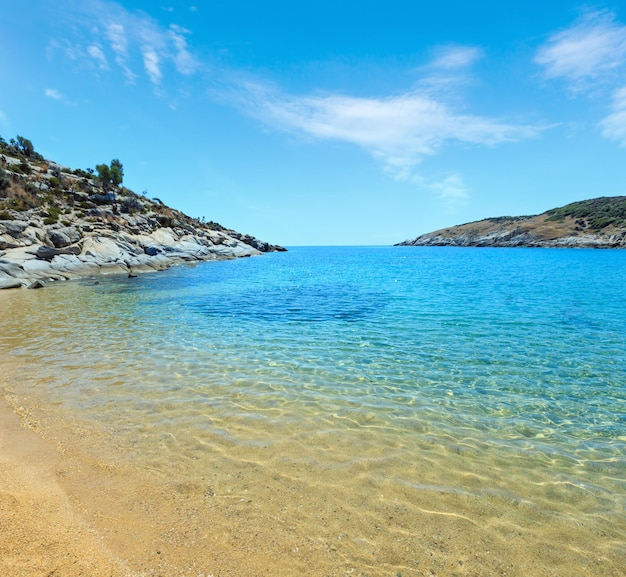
(57, 223)
(596, 223)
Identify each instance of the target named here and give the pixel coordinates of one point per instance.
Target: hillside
(57, 223)
(595, 223)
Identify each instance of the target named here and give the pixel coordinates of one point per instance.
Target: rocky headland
(595, 223)
(57, 223)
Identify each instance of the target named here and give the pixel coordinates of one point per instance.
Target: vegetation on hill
(597, 213)
(29, 181)
(595, 223)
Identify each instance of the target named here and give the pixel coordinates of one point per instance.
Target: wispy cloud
(135, 42)
(95, 51)
(185, 62)
(399, 130)
(54, 94)
(591, 57)
(455, 57)
(614, 125)
(592, 48)
(452, 190)
(152, 64)
(116, 34)
(4, 121)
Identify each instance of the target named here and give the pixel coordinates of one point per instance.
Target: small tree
(25, 145)
(104, 176)
(117, 172)
(110, 175)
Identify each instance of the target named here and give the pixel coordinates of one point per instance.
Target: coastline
(69, 511)
(42, 533)
(331, 495)
(104, 253)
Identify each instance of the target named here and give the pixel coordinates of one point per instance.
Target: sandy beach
(42, 533)
(65, 514)
(103, 476)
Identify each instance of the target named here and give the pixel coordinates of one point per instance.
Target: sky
(327, 122)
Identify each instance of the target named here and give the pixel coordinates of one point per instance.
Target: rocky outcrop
(598, 223)
(55, 225)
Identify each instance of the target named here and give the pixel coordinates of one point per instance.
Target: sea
(342, 410)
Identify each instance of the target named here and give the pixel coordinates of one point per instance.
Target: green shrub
(5, 180)
(53, 215)
(215, 226)
(31, 188)
(164, 221)
(598, 212)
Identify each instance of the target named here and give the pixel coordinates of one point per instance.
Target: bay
(357, 410)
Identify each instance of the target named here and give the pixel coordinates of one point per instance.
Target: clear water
(429, 371)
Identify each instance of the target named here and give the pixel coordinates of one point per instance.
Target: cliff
(595, 223)
(57, 223)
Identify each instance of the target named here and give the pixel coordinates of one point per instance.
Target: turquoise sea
(376, 410)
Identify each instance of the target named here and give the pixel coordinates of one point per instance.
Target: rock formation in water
(57, 223)
(596, 223)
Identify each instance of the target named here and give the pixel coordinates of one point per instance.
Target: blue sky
(327, 123)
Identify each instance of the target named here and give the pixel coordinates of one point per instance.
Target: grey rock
(152, 250)
(62, 237)
(12, 269)
(123, 234)
(9, 283)
(13, 227)
(48, 252)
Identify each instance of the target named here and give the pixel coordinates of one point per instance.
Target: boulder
(13, 227)
(9, 283)
(63, 236)
(11, 269)
(48, 252)
(8, 241)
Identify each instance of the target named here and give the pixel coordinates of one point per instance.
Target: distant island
(57, 223)
(595, 223)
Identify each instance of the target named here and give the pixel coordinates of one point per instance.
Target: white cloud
(97, 54)
(399, 131)
(614, 125)
(54, 94)
(451, 189)
(591, 57)
(132, 39)
(4, 121)
(151, 63)
(116, 34)
(592, 48)
(455, 57)
(184, 60)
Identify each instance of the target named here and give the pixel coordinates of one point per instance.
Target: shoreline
(126, 496)
(42, 533)
(70, 511)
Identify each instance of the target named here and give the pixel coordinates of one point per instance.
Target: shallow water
(367, 411)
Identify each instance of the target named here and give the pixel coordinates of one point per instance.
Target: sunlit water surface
(418, 380)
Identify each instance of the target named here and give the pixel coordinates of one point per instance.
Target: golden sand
(69, 508)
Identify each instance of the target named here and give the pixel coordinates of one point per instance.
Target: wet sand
(42, 533)
(69, 508)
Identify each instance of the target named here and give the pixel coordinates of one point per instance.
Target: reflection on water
(380, 411)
